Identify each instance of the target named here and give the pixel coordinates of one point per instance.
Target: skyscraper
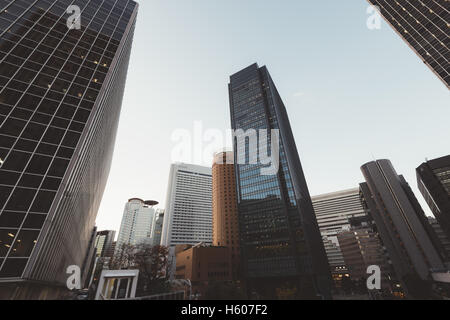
(224, 204)
(433, 179)
(188, 213)
(136, 225)
(60, 98)
(410, 240)
(361, 247)
(333, 211)
(442, 236)
(103, 243)
(423, 25)
(157, 226)
(281, 248)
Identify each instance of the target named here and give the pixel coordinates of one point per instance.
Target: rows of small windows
(23, 199)
(48, 40)
(22, 247)
(424, 35)
(189, 178)
(206, 223)
(249, 111)
(50, 99)
(190, 201)
(249, 85)
(18, 117)
(336, 207)
(75, 89)
(54, 31)
(55, 77)
(90, 10)
(46, 80)
(257, 180)
(241, 99)
(246, 90)
(32, 56)
(183, 187)
(32, 132)
(261, 193)
(60, 6)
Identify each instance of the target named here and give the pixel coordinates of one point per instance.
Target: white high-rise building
(136, 223)
(188, 213)
(332, 212)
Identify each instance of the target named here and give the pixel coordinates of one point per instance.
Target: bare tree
(152, 263)
(124, 258)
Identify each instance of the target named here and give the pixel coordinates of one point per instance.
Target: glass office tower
(423, 25)
(60, 98)
(282, 251)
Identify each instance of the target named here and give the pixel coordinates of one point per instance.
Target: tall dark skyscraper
(424, 25)
(410, 240)
(433, 179)
(60, 98)
(281, 246)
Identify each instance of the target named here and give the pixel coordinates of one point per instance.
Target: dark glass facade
(424, 25)
(60, 98)
(433, 179)
(282, 250)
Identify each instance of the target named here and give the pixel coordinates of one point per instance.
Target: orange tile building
(224, 208)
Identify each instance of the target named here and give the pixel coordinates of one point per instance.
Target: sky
(352, 94)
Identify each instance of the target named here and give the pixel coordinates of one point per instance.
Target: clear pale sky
(352, 94)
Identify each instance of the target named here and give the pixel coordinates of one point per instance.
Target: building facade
(202, 265)
(103, 243)
(224, 204)
(362, 247)
(188, 213)
(60, 98)
(333, 211)
(423, 25)
(157, 227)
(403, 227)
(433, 180)
(136, 225)
(281, 247)
(443, 238)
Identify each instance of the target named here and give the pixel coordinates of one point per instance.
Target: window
(58, 167)
(43, 201)
(12, 127)
(24, 243)
(6, 239)
(34, 221)
(13, 267)
(16, 161)
(39, 164)
(30, 181)
(9, 178)
(20, 199)
(10, 219)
